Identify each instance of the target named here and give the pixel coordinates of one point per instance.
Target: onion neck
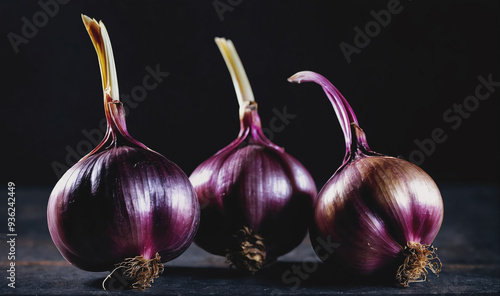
(116, 133)
(355, 139)
(250, 126)
(359, 147)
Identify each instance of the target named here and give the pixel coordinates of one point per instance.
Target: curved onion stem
(335, 99)
(345, 114)
(240, 80)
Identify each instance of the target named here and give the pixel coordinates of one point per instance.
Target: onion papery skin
(372, 207)
(253, 183)
(123, 206)
(256, 200)
(120, 203)
(382, 213)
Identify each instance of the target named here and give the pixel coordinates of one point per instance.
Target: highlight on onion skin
(384, 212)
(123, 205)
(256, 200)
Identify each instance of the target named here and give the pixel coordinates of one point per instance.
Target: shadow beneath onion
(280, 277)
(203, 273)
(95, 283)
(284, 275)
(327, 275)
(113, 281)
(314, 274)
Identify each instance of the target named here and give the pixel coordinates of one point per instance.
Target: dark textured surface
(468, 246)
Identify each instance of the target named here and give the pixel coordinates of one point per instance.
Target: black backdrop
(405, 83)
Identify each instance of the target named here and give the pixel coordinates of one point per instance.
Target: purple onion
(382, 212)
(256, 200)
(123, 204)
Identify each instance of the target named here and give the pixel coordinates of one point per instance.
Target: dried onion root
(419, 258)
(250, 252)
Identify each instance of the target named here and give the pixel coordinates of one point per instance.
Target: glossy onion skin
(254, 184)
(120, 203)
(372, 207)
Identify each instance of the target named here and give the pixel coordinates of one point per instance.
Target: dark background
(426, 60)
